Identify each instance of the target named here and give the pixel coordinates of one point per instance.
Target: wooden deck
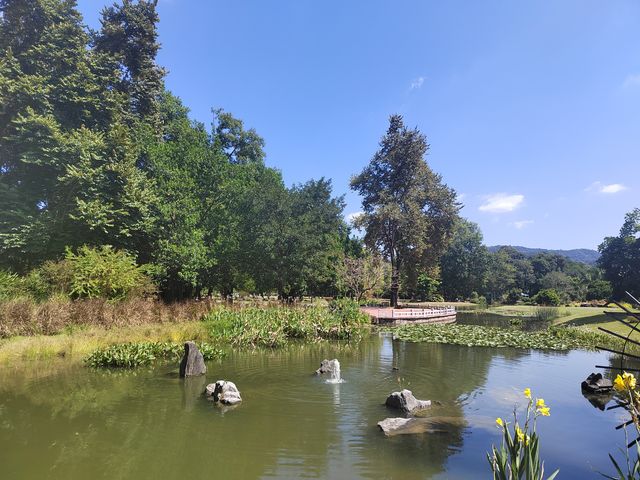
(404, 316)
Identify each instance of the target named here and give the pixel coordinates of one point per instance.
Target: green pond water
(60, 420)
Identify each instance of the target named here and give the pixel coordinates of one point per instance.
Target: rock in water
(224, 392)
(596, 383)
(406, 402)
(405, 426)
(192, 363)
(332, 367)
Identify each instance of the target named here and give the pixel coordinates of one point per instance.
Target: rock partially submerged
(224, 392)
(192, 363)
(416, 425)
(597, 384)
(406, 402)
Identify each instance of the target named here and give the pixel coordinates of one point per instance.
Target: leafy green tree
(464, 265)
(620, 257)
(428, 288)
(238, 144)
(409, 213)
(547, 297)
(128, 40)
(186, 173)
(599, 290)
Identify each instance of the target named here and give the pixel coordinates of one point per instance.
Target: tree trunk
(394, 290)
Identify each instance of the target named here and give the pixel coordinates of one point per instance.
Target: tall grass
(26, 317)
(274, 326)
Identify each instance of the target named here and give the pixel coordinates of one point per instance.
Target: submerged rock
(224, 392)
(406, 402)
(407, 426)
(192, 363)
(596, 383)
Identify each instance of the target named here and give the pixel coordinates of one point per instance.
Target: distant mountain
(583, 255)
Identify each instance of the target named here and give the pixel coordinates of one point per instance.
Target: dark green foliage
(620, 258)
(129, 355)
(547, 297)
(409, 213)
(463, 267)
(599, 290)
(94, 151)
(427, 289)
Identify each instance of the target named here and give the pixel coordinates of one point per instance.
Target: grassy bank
(245, 327)
(26, 317)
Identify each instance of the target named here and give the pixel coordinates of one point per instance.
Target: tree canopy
(94, 151)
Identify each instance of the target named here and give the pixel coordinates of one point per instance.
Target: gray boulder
(596, 383)
(406, 402)
(192, 363)
(224, 392)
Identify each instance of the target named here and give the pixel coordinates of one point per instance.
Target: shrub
(11, 285)
(427, 289)
(106, 273)
(547, 297)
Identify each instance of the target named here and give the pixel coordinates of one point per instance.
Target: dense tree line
(99, 162)
(468, 270)
(94, 151)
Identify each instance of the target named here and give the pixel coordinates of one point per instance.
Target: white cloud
(501, 203)
(417, 83)
(609, 189)
(350, 217)
(632, 80)
(520, 224)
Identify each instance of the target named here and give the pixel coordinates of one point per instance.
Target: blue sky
(532, 109)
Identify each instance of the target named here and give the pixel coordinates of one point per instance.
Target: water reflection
(148, 423)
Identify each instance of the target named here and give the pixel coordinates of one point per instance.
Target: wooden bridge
(403, 316)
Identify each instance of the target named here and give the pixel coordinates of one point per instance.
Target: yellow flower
(544, 411)
(520, 434)
(630, 380)
(540, 403)
(527, 392)
(499, 422)
(623, 382)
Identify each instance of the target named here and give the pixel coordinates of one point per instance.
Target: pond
(60, 420)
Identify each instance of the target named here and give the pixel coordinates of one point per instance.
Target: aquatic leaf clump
(554, 338)
(129, 355)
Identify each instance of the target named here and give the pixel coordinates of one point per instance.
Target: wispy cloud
(632, 80)
(606, 188)
(501, 203)
(350, 217)
(520, 224)
(417, 83)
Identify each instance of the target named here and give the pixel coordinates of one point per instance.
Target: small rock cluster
(192, 364)
(406, 402)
